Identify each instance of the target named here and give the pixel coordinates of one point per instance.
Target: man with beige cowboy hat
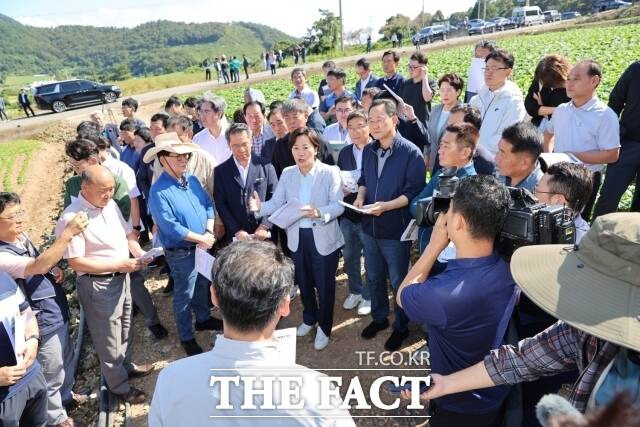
(184, 215)
(594, 288)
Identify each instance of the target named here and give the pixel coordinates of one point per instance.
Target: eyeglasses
(355, 128)
(343, 110)
(377, 121)
(18, 214)
(412, 67)
(176, 155)
(494, 69)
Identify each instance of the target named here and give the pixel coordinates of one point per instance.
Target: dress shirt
(217, 147)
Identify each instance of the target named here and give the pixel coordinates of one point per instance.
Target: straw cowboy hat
(168, 142)
(594, 286)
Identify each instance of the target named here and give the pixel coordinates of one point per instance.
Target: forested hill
(106, 52)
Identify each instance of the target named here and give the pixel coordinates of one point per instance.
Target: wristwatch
(37, 338)
(208, 232)
(137, 227)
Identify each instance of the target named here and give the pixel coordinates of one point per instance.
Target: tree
(324, 34)
(422, 20)
(397, 24)
(438, 16)
(358, 36)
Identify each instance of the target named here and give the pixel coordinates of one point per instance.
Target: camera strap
(504, 321)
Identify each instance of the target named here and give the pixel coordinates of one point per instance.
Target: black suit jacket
(231, 196)
(283, 158)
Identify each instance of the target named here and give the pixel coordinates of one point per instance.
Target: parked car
(60, 96)
(602, 5)
(552, 16)
(527, 15)
(502, 23)
(480, 26)
(570, 15)
(430, 34)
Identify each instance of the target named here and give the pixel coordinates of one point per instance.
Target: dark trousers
(246, 72)
(225, 76)
(26, 107)
(619, 175)
(586, 212)
(316, 276)
(28, 407)
(273, 68)
(207, 74)
(3, 114)
(442, 418)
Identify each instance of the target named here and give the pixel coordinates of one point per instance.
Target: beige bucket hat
(168, 142)
(594, 286)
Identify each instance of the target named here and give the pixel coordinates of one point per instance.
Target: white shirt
(591, 127)
(217, 147)
(310, 96)
(357, 154)
(363, 84)
(582, 227)
(124, 171)
(243, 171)
(183, 396)
(335, 133)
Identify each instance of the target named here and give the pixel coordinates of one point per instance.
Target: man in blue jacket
(393, 173)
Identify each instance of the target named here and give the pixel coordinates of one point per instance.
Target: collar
(376, 143)
(367, 78)
(460, 263)
(84, 203)
(239, 165)
(312, 172)
(587, 106)
(259, 351)
(392, 77)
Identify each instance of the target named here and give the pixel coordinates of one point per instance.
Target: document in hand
(396, 96)
(152, 253)
(286, 339)
(287, 214)
(366, 209)
(204, 263)
(411, 232)
(350, 180)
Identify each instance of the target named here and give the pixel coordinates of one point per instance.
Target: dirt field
(42, 199)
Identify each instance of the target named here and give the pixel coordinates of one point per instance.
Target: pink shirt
(105, 238)
(13, 264)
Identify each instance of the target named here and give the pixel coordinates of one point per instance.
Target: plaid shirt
(557, 349)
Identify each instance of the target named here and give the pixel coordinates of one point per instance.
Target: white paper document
(476, 75)
(288, 214)
(411, 232)
(204, 263)
(350, 180)
(396, 96)
(286, 344)
(366, 209)
(152, 253)
(19, 343)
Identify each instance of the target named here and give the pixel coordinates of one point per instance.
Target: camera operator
(456, 150)
(479, 279)
(517, 157)
(589, 289)
(570, 185)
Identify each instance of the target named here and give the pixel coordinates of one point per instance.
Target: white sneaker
(364, 308)
(352, 301)
(321, 340)
(304, 329)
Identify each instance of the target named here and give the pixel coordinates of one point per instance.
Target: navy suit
(373, 81)
(231, 196)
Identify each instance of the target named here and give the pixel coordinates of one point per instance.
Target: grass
(11, 153)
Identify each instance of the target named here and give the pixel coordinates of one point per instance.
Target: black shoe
(168, 290)
(395, 340)
(373, 328)
(191, 347)
(211, 324)
(159, 331)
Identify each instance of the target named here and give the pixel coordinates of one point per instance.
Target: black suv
(60, 96)
(430, 34)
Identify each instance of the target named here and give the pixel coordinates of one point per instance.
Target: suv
(503, 23)
(570, 15)
(552, 16)
(430, 34)
(60, 96)
(480, 26)
(527, 15)
(603, 5)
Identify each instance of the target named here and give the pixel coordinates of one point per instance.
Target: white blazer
(325, 194)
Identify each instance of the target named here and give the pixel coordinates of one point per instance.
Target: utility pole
(422, 14)
(484, 14)
(341, 27)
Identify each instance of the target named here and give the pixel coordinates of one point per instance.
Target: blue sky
(358, 14)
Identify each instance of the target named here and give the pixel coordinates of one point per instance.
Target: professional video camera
(528, 222)
(427, 210)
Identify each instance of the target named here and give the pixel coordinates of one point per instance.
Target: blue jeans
(352, 252)
(189, 290)
(382, 258)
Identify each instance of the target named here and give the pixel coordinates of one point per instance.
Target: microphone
(553, 405)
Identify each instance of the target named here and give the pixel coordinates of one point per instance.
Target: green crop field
(14, 160)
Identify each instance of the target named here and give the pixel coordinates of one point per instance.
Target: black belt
(105, 275)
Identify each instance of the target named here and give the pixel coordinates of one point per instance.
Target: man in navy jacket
(235, 180)
(393, 173)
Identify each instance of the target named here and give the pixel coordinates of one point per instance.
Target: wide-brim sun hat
(593, 286)
(168, 142)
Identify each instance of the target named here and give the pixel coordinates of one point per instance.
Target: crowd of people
(351, 168)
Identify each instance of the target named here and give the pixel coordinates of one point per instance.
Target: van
(527, 15)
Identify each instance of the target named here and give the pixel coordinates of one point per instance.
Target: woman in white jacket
(314, 236)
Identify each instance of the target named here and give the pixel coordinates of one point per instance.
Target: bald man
(100, 257)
